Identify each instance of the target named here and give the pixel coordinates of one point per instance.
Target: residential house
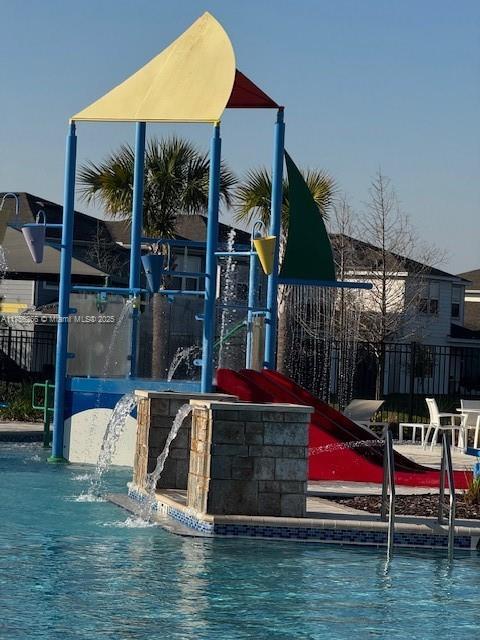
(29, 291)
(28, 285)
(427, 347)
(472, 299)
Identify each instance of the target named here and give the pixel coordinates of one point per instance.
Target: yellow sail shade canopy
(189, 81)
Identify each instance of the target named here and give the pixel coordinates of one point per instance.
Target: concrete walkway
(21, 431)
(322, 489)
(417, 453)
(432, 458)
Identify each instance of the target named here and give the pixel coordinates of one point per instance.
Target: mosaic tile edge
(333, 536)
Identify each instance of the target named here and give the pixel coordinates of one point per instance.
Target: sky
(365, 84)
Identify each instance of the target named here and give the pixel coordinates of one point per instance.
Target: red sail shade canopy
(246, 95)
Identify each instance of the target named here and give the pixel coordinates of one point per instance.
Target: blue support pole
(211, 261)
(136, 233)
(64, 296)
(275, 229)
(252, 299)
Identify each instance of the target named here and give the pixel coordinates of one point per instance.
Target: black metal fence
(406, 373)
(403, 374)
(27, 355)
(410, 372)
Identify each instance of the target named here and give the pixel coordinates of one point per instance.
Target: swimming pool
(74, 570)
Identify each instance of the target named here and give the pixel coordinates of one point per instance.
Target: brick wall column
(155, 414)
(248, 459)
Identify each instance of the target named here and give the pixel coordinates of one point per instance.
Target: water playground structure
(193, 81)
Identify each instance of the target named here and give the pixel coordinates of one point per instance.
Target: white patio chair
(436, 424)
(413, 426)
(471, 419)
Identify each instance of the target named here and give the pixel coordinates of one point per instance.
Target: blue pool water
(73, 570)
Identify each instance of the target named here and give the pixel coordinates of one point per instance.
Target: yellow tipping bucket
(265, 248)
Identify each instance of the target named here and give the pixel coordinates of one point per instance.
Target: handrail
(388, 488)
(45, 407)
(446, 466)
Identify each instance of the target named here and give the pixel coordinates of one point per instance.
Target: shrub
(18, 398)
(472, 494)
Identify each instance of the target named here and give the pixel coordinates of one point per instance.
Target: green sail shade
(308, 254)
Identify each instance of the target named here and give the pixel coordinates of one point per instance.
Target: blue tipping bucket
(153, 267)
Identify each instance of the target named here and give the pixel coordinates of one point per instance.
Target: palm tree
(176, 183)
(252, 202)
(252, 196)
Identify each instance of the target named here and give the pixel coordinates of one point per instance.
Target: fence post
(413, 364)
(9, 342)
(9, 350)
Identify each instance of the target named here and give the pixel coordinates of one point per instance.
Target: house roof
(195, 228)
(119, 230)
(473, 278)
(364, 255)
(189, 227)
(19, 260)
(85, 229)
(29, 205)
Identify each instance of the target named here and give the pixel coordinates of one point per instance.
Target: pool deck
(325, 521)
(432, 458)
(21, 431)
(417, 453)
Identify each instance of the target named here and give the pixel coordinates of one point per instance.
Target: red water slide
(339, 449)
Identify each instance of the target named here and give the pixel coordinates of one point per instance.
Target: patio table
(463, 412)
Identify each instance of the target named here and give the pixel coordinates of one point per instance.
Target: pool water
(73, 569)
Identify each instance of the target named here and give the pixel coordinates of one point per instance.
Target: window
(429, 301)
(456, 301)
(50, 286)
(191, 264)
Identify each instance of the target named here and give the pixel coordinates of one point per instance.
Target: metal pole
(386, 475)
(275, 229)
(452, 502)
(441, 492)
(136, 233)
(388, 489)
(413, 357)
(391, 512)
(447, 467)
(252, 299)
(211, 261)
(64, 295)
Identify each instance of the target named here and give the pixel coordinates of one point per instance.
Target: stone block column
(248, 459)
(155, 414)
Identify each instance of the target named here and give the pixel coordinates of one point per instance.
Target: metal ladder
(446, 468)
(388, 488)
